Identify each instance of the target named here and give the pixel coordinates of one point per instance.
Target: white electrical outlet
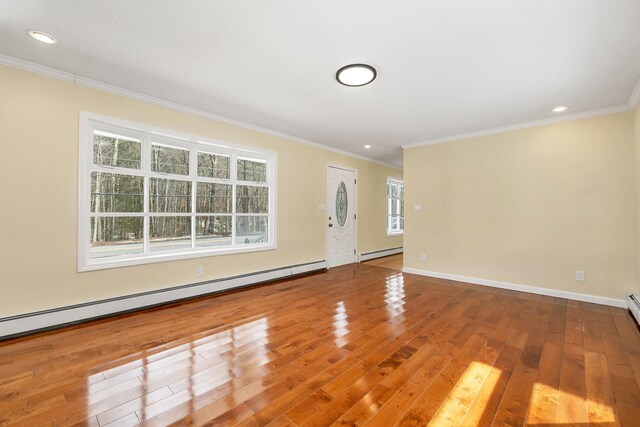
(580, 275)
(199, 271)
(418, 207)
(423, 257)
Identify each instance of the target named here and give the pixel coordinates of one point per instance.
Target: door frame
(356, 257)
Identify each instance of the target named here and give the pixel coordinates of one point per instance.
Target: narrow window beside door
(395, 206)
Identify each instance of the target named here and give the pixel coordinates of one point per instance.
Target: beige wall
(38, 192)
(529, 207)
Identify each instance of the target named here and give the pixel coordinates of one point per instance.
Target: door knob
(330, 225)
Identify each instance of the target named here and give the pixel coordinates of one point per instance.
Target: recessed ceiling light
(42, 37)
(367, 146)
(356, 74)
(559, 109)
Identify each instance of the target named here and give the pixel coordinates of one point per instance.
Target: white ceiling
(444, 67)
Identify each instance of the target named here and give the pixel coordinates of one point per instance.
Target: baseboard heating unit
(27, 323)
(381, 253)
(634, 305)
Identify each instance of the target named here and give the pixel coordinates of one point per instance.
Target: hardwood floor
(358, 345)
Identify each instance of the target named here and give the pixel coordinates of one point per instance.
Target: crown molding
(82, 81)
(525, 125)
(94, 84)
(35, 68)
(635, 95)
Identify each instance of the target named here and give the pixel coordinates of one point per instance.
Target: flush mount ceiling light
(559, 109)
(367, 146)
(42, 37)
(356, 75)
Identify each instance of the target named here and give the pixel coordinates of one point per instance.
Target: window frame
(388, 199)
(147, 134)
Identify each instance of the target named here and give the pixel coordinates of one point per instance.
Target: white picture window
(151, 195)
(395, 206)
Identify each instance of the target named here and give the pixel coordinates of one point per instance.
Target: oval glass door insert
(342, 204)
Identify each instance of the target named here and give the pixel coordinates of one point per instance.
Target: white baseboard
(633, 302)
(379, 254)
(522, 288)
(25, 323)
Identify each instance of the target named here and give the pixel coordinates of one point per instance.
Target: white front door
(341, 216)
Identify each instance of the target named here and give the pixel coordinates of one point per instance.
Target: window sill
(397, 233)
(165, 257)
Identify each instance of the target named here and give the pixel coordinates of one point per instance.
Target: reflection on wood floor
(360, 344)
(393, 262)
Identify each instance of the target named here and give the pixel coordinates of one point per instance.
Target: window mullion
(212, 180)
(116, 214)
(117, 170)
(234, 184)
(193, 173)
(175, 177)
(86, 192)
(146, 167)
